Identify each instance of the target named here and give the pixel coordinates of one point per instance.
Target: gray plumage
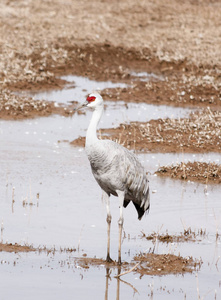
(116, 169)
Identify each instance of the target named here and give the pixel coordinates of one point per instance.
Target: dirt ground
(178, 41)
(148, 264)
(198, 133)
(181, 42)
(187, 236)
(196, 171)
(106, 40)
(164, 264)
(15, 248)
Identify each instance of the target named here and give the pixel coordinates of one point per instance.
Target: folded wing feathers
(137, 183)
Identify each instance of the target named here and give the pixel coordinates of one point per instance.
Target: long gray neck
(91, 136)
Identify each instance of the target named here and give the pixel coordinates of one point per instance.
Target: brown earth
(9, 247)
(164, 264)
(103, 40)
(14, 107)
(148, 264)
(196, 171)
(187, 236)
(15, 248)
(201, 132)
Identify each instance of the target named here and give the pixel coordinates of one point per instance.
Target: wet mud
(147, 264)
(196, 171)
(15, 248)
(164, 264)
(187, 236)
(143, 264)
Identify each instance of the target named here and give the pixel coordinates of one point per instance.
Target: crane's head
(94, 100)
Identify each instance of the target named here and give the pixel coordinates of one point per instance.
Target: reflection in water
(119, 280)
(77, 89)
(108, 272)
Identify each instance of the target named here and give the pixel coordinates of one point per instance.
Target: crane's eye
(91, 98)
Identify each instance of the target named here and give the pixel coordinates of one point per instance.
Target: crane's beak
(81, 106)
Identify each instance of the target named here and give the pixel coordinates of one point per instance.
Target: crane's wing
(132, 177)
(136, 183)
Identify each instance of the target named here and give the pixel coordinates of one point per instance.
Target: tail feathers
(126, 203)
(140, 209)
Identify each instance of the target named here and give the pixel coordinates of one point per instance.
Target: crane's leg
(120, 223)
(107, 200)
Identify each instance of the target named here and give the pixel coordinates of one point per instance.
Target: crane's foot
(119, 262)
(108, 259)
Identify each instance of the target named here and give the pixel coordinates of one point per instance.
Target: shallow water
(144, 76)
(76, 90)
(69, 212)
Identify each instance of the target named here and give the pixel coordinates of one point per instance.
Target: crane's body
(116, 169)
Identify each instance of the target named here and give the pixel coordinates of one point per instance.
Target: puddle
(64, 209)
(78, 87)
(144, 76)
(116, 112)
(76, 90)
(119, 113)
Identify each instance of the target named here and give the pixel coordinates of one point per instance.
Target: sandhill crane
(116, 169)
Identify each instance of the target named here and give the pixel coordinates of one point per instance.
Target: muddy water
(57, 203)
